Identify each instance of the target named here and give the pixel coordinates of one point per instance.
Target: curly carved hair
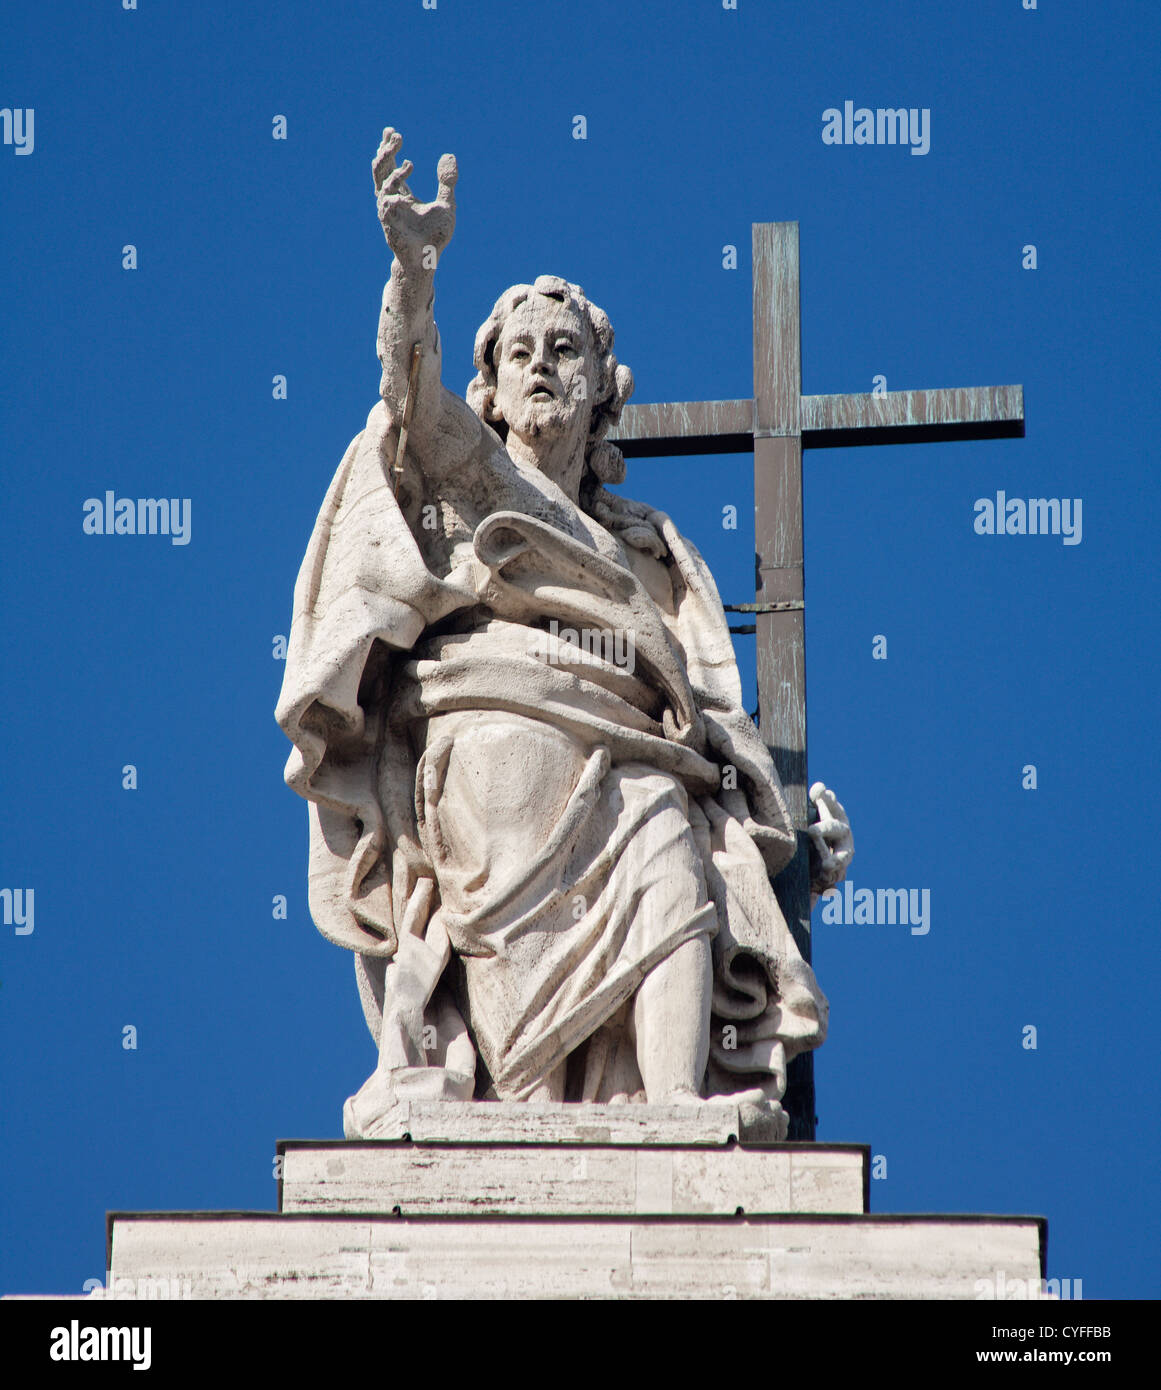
(614, 381)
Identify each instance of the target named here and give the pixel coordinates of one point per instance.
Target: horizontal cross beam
(895, 417)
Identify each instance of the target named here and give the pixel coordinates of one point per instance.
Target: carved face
(544, 370)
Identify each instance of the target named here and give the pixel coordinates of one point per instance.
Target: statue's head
(545, 367)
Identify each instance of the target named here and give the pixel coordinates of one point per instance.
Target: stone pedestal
(514, 1201)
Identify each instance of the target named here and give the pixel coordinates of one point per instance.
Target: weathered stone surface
(511, 1122)
(570, 1179)
(540, 815)
(232, 1256)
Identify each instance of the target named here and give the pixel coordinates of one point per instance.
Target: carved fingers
(417, 232)
(384, 162)
(831, 838)
(447, 171)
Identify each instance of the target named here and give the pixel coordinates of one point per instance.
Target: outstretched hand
(413, 229)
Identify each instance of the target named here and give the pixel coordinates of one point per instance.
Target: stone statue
(539, 815)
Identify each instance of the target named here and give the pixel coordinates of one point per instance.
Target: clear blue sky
(153, 907)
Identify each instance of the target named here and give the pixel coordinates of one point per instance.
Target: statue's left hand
(831, 839)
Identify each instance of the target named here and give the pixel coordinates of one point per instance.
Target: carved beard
(552, 418)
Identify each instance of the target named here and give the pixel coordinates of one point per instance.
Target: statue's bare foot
(760, 1119)
(754, 1096)
(683, 1095)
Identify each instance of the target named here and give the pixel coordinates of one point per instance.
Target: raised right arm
(443, 431)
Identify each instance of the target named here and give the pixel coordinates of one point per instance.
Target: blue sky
(257, 257)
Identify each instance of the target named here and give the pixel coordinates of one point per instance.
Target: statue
(539, 815)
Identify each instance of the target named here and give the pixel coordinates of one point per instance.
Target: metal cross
(776, 425)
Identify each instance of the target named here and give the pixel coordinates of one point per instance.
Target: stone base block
(772, 1257)
(509, 1122)
(571, 1179)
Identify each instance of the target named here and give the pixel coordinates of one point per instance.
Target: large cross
(776, 425)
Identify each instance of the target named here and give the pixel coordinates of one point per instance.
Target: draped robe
(510, 831)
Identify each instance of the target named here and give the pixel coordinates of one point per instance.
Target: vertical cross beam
(777, 424)
(779, 560)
